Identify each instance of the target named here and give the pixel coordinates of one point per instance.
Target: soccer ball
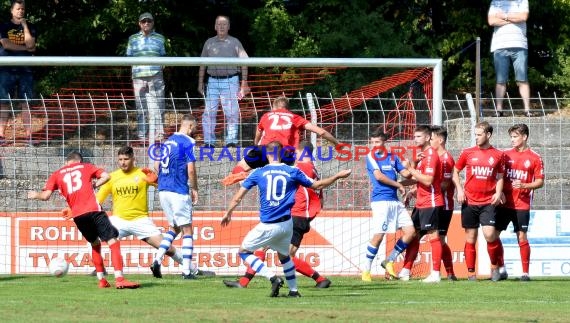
(58, 267)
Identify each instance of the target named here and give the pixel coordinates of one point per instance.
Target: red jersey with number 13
(525, 166)
(482, 167)
(74, 183)
(429, 196)
(281, 125)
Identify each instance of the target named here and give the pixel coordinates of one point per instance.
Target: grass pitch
(171, 299)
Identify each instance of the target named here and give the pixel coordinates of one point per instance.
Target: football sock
(470, 256)
(492, 250)
(237, 169)
(167, 239)
(371, 252)
(257, 265)
(411, 253)
(303, 267)
(187, 250)
(117, 259)
(398, 249)
(525, 255)
(501, 254)
(250, 273)
(177, 256)
(289, 271)
(447, 259)
(435, 254)
(98, 260)
(317, 277)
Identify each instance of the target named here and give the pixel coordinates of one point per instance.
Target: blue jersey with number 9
(173, 171)
(277, 187)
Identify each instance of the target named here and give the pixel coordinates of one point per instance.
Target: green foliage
(319, 28)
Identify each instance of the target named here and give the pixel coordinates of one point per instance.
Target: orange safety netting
(100, 91)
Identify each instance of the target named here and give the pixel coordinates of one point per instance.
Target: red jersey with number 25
(482, 167)
(307, 201)
(281, 125)
(429, 196)
(525, 166)
(74, 183)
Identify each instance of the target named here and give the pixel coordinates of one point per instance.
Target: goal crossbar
(435, 63)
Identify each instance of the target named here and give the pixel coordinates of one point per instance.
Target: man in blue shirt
(277, 184)
(388, 213)
(174, 170)
(148, 83)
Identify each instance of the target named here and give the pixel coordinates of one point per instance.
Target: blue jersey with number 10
(277, 187)
(178, 151)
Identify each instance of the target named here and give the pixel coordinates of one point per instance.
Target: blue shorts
(9, 80)
(503, 58)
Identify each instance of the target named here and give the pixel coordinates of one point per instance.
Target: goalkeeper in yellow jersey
(128, 187)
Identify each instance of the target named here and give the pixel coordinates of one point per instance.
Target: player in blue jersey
(388, 213)
(174, 170)
(277, 184)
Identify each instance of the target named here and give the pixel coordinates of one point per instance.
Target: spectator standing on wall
(148, 82)
(18, 38)
(223, 84)
(509, 45)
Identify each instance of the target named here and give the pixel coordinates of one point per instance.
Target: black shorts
(301, 225)
(95, 225)
(255, 157)
(426, 219)
(519, 218)
(474, 215)
(444, 221)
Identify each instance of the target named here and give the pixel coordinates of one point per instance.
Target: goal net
(95, 113)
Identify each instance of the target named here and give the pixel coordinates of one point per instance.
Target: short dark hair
(22, 2)
(378, 133)
(423, 128)
(487, 128)
(519, 128)
(127, 151)
(307, 145)
(74, 156)
(440, 132)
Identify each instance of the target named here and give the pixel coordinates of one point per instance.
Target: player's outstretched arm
(42, 196)
(236, 200)
(322, 133)
(103, 178)
(325, 182)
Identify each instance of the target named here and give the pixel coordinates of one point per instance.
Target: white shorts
(388, 216)
(276, 236)
(176, 207)
(141, 228)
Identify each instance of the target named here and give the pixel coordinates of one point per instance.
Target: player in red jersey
(438, 141)
(482, 192)
(307, 206)
(280, 125)
(429, 198)
(74, 182)
(524, 172)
